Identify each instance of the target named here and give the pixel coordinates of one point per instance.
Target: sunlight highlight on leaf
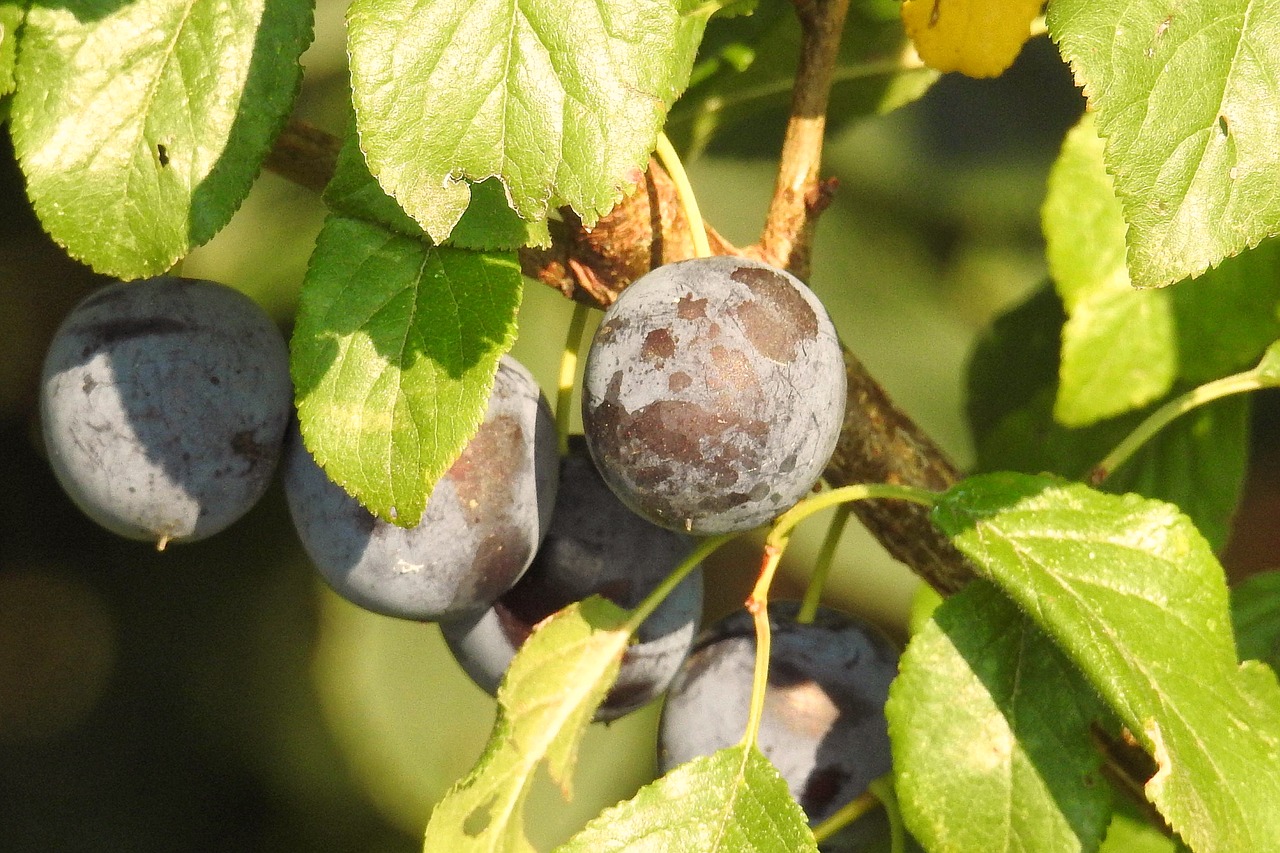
(979, 38)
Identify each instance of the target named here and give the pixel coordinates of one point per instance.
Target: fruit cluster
(713, 395)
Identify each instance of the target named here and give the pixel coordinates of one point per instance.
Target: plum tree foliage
(1085, 661)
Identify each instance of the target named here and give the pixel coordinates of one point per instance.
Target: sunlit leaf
(731, 802)
(393, 354)
(545, 703)
(1185, 96)
(1128, 589)
(560, 101)
(980, 38)
(140, 126)
(990, 730)
(1124, 348)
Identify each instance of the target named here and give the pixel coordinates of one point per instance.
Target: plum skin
(823, 724)
(164, 405)
(595, 546)
(481, 527)
(713, 394)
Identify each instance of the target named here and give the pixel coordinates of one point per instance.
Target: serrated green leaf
(141, 126)
(1255, 613)
(547, 698)
(393, 357)
(747, 65)
(990, 732)
(1124, 348)
(1198, 462)
(488, 224)
(10, 19)
(1185, 96)
(561, 101)
(733, 801)
(1130, 833)
(1128, 589)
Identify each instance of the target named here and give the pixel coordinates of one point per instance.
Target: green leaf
(1128, 589)
(1198, 462)
(1124, 348)
(562, 102)
(140, 126)
(10, 18)
(1185, 97)
(731, 802)
(1255, 613)
(393, 355)
(746, 70)
(545, 703)
(1131, 833)
(487, 225)
(990, 731)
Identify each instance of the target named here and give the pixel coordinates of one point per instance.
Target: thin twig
(798, 194)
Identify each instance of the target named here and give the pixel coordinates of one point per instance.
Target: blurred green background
(218, 697)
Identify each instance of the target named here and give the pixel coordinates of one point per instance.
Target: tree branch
(798, 195)
(878, 443)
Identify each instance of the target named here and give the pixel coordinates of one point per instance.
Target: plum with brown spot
(481, 528)
(823, 724)
(595, 546)
(713, 394)
(164, 404)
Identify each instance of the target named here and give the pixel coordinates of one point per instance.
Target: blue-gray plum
(164, 405)
(713, 394)
(481, 527)
(595, 546)
(823, 724)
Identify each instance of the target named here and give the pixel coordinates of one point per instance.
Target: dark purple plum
(823, 725)
(164, 405)
(482, 525)
(595, 546)
(713, 395)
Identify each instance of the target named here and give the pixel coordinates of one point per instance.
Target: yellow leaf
(980, 38)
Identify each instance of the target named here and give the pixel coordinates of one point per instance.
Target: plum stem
(684, 191)
(704, 549)
(758, 607)
(785, 523)
(822, 565)
(568, 374)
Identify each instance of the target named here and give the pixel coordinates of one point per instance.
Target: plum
(713, 394)
(164, 405)
(595, 545)
(823, 724)
(482, 525)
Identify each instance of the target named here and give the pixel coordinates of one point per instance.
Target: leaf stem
(704, 549)
(1239, 383)
(822, 566)
(684, 191)
(569, 374)
(883, 790)
(845, 815)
